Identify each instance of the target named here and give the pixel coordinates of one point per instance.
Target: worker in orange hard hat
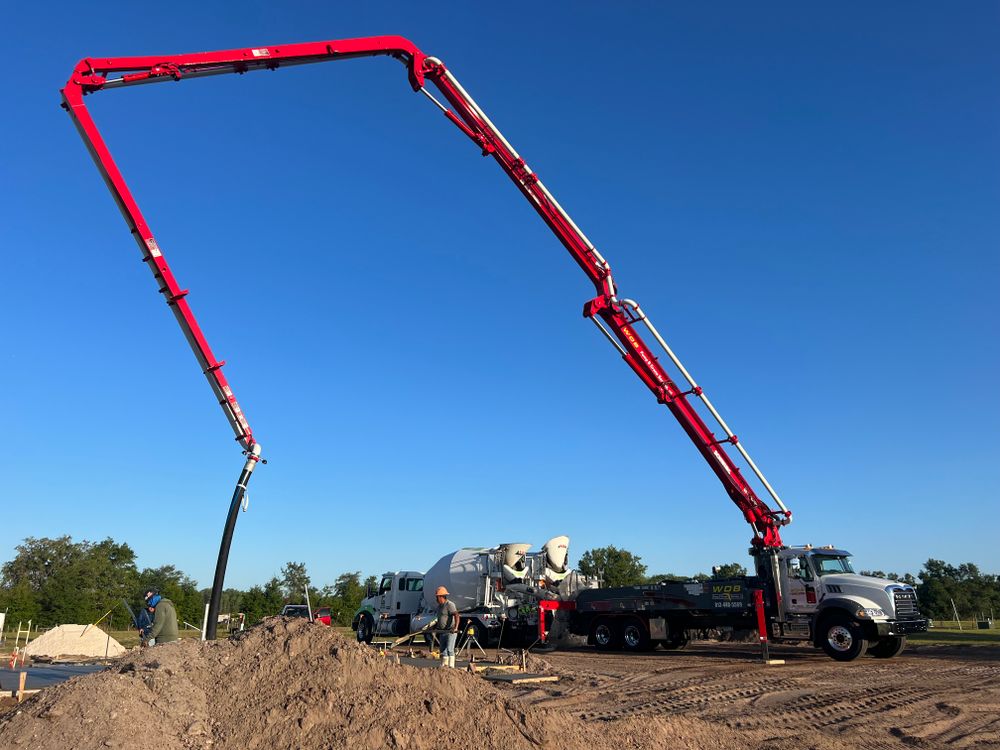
(446, 626)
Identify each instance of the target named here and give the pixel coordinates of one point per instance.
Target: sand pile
(292, 684)
(85, 641)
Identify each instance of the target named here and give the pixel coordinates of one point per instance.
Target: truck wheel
(842, 639)
(887, 648)
(676, 641)
(605, 635)
(366, 628)
(635, 637)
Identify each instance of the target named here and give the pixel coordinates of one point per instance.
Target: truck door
(799, 584)
(385, 594)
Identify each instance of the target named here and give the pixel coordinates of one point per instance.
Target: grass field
(948, 634)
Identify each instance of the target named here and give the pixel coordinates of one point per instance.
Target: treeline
(56, 581)
(343, 596)
(619, 567)
(944, 590)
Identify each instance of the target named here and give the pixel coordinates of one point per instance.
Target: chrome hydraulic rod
(640, 315)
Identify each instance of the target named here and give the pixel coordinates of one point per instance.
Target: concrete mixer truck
(497, 591)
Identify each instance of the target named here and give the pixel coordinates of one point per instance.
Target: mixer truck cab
(388, 607)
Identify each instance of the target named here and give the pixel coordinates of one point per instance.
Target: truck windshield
(825, 564)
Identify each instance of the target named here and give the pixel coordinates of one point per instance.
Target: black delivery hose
(212, 619)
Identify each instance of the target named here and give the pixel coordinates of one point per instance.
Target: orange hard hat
(441, 591)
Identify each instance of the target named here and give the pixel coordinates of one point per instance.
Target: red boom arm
(615, 316)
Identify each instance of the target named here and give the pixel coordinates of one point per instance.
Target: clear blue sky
(804, 198)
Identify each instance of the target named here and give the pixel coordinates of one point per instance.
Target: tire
(842, 638)
(677, 638)
(635, 635)
(605, 635)
(676, 641)
(888, 647)
(366, 628)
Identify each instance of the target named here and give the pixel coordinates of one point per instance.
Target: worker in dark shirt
(447, 626)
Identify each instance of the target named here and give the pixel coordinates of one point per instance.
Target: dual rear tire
(628, 633)
(888, 647)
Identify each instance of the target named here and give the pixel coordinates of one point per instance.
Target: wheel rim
(363, 629)
(602, 634)
(840, 638)
(632, 636)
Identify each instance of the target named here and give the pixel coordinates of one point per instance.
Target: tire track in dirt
(926, 701)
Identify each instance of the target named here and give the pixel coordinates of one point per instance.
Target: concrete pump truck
(796, 593)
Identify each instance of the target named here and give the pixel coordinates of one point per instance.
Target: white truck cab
(844, 613)
(388, 607)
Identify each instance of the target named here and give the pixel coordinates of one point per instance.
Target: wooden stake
(20, 686)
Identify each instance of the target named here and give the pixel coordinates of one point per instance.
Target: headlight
(874, 612)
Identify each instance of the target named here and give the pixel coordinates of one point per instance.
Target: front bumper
(901, 627)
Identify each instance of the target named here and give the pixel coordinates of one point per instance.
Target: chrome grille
(906, 605)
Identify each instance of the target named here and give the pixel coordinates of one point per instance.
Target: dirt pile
(291, 684)
(86, 641)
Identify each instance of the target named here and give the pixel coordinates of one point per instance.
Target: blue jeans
(446, 642)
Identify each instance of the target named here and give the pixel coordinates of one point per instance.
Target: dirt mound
(292, 684)
(87, 641)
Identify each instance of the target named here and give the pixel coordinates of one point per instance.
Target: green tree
(657, 577)
(347, 595)
(971, 590)
(62, 581)
(905, 578)
(615, 567)
(294, 580)
(20, 603)
(255, 604)
(729, 570)
(274, 597)
(37, 560)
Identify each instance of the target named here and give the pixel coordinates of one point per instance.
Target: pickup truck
(295, 610)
